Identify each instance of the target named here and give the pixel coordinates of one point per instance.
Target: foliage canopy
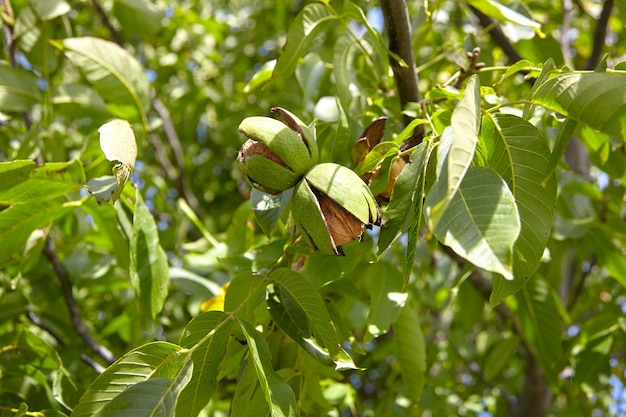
(494, 286)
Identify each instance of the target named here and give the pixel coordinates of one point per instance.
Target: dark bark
(398, 28)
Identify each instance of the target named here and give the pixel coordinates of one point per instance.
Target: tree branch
(599, 35)
(66, 289)
(396, 15)
(497, 35)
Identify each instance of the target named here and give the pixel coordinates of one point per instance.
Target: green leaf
(406, 199)
(376, 156)
(596, 99)
(19, 221)
(499, 356)
(343, 56)
(546, 69)
(244, 294)
(21, 182)
(456, 151)
(149, 398)
(113, 72)
(18, 89)
(387, 298)
(301, 301)
(149, 272)
(278, 393)
(140, 17)
(150, 361)
(78, 100)
(310, 22)
(621, 7)
(206, 359)
(539, 319)
(269, 208)
(481, 223)
(517, 151)
(411, 352)
(51, 9)
(248, 400)
(503, 13)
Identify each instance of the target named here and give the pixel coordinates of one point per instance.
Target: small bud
(276, 154)
(332, 206)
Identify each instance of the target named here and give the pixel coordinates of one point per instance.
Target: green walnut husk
(277, 154)
(332, 206)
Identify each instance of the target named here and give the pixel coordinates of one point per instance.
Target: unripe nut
(276, 154)
(332, 206)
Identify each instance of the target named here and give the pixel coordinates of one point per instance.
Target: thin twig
(45, 326)
(117, 35)
(182, 180)
(565, 29)
(599, 35)
(396, 15)
(66, 289)
(95, 365)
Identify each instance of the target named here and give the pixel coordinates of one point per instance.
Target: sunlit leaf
(153, 360)
(503, 13)
(148, 398)
(481, 222)
(113, 72)
(309, 23)
(456, 151)
(517, 151)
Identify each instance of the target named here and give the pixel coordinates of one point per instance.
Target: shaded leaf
(149, 273)
(18, 89)
(141, 17)
(268, 208)
(214, 334)
(278, 393)
(597, 99)
(406, 198)
(244, 294)
(411, 352)
(539, 319)
(305, 303)
(387, 298)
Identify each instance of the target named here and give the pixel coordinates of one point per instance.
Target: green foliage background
(174, 300)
